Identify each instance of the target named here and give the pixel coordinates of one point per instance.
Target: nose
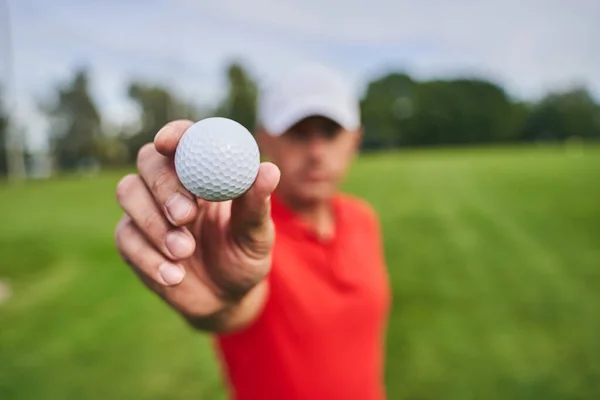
(317, 146)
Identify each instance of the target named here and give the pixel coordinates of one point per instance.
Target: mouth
(315, 176)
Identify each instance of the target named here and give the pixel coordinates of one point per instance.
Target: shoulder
(358, 209)
(362, 223)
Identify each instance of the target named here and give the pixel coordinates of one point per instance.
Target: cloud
(530, 46)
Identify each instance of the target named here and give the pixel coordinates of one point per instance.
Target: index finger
(168, 136)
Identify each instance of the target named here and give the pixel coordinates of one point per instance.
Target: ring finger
(147, 262)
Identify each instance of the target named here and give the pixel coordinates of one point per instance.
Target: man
(290, 278)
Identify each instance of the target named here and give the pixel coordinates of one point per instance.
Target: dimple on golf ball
(217, 159)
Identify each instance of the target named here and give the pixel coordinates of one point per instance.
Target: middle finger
(136, 200)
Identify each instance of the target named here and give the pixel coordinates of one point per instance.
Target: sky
(528, 46)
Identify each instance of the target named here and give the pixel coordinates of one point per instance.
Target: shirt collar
(285, 219)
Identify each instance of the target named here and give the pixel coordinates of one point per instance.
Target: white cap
(309, 90)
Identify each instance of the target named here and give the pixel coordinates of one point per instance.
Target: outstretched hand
(208, 260)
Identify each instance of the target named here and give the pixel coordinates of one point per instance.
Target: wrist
(234, 315)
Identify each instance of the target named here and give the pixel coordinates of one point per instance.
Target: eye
(317, 127)
(297, 133)
(331, 129)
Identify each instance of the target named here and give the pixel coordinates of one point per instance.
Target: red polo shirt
(322, 332)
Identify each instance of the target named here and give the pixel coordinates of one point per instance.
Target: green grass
(494, 257)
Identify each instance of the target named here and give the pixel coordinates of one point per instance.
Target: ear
(359, 138)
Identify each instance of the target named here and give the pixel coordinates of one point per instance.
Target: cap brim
(288, 118)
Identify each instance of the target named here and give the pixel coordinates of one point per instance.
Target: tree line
(397, 111)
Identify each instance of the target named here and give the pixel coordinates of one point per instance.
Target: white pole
(13, 140)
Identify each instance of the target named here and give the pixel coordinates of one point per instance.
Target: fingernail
(179, 207)
(171, 274)
(179, 244)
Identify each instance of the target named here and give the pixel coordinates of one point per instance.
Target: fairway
(494, 258)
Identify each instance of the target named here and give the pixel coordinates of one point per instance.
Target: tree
(385, 107)
(76, 124)
(561, 115)
(460, 111)
(240, 100)
(157, 106)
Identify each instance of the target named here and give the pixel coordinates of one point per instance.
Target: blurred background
(482, 125)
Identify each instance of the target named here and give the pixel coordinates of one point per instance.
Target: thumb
(251, 213)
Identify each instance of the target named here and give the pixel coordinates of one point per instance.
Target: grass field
(494, 257)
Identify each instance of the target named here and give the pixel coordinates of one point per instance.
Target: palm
(225, 250)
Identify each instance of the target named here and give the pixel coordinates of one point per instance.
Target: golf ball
(217, 159)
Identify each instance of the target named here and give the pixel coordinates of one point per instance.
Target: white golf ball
(217, 159)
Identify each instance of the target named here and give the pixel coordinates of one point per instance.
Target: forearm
(234, 315)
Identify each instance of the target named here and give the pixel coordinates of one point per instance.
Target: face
(314, 156)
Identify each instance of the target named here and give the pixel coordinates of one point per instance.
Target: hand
(208, 260)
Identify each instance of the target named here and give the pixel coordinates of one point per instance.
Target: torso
(321, 334)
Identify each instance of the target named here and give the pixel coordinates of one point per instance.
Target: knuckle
(119, 239)
(265, 239)
(170, 125)
(178, 124)
(257, 243)
(145, 153)
(123, 226)
(153, 224)
(162, 180)
(125, 186)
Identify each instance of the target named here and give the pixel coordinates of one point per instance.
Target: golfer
(290, 278)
